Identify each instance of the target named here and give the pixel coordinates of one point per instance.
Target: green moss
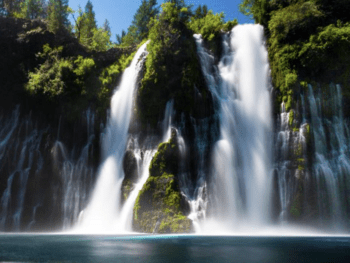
(159, 204)
(172, 69)
(291, 118)
(127, 187)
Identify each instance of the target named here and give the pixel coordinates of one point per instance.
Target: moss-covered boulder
(160, 207)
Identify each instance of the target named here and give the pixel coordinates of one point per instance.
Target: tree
(106, 27)
(78, 22)
(178, 3)
(257, 9)
(100, 40)
(142, 17)
(58, 11)
(88, 25)
(33, 9)
(11, 7)
(200, 12)
(120, 37)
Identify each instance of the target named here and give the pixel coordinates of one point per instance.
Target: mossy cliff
(172, 69)
(160, 207)
(63, 92)
(308, 42)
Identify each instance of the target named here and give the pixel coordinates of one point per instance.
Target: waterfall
(290, 148)
(103, 211)
(241, 157)
(126, 212)
(19, 157)
(27, 158)
(76, 175)
(331, 168)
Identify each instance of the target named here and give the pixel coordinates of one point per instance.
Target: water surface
(169, 248)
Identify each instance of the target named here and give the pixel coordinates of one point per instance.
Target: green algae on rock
(160, 206)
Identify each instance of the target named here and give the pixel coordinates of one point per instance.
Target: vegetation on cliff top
(303, 37)
(176, 74)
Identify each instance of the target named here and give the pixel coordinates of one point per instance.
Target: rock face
(131, 176)
(160, 207)
(48, 156)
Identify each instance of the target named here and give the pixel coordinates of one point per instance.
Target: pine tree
(106, 27)
(33, 9)
(88, 25)
(120, 37)
(58, 11)
(178, 3)
(144, 13)
(200, 12)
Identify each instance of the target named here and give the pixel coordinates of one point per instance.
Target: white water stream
(242, 155)
(103, 214)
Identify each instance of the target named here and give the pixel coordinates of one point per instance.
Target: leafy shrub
(210, 25)
(172, 67)
(294, 21)
(51, 76)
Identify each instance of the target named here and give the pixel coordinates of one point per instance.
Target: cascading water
(27, 156)
(290, 145)
(242, 156)
(331, 167)
(103, 212)
(76, 175)
(126, 212)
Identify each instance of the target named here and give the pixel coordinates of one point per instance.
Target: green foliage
(331, 45)
(172, 67)
(79, 22)
(11, 8)
(295, 21)
(100, 40)
(257, 9)
(179, 4)
(200, 12)
(109, 76)
(31, 9)
(49, 78)
(229, 25)
(142, 17)
(210, 25)
(88, 25)
(120, 37)
(57, 16)
(138, 30)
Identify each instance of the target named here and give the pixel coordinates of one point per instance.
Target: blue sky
(121, 12)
